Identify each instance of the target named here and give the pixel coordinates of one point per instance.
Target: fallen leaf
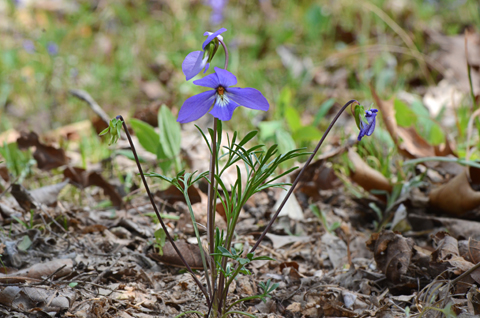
(318, 176)
(172, 195)
(279, 241)
(4, 173)
(82, 178)
(364, 175)
(469, 250)
(48, 194)
(190, 252)
(42, 270)
(47, 157)
(23, 198)
(336, 249)
(407, 140)
(37, 299)
(392, 253)
(457, 197)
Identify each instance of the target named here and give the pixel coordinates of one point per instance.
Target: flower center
(220, 90)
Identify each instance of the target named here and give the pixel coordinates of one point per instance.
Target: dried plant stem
(290, 191)
(150, 196)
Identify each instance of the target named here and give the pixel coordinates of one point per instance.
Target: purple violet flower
(225, 99)
(367, 129)
(197, 60)
(217, 10)
(52, 48)
(29, 46)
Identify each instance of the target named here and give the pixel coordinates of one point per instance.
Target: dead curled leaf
(59, 267)
(47, 157)
(457, 196)
(364, 175)
(190, 252)
(82, 178)
(392, 253)
(447, 256)
(37, 299)
(172, 195)
(409, 143)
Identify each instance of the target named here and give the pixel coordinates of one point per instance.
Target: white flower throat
(221, 96)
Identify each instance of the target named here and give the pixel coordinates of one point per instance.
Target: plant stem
(150, 196)
(226, 53)
(212, 190)
(290, 191)
(211, 205)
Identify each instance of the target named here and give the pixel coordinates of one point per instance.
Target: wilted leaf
(47, 157)
(392, 253)
(457, 196)
(172, 195)
(81, 178)
(190, 252)
(23, 198)
(282, 240)
(367, 177)
(48, 194)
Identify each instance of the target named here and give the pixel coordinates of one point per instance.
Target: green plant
(166, 143)
(223, 262)
(330, 228)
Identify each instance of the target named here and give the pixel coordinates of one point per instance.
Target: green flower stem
(238, 313)
(242, 300)
(227, 285)
(443, 159)
(290, 191)
(199, 241)
(211, 203)
(119, 117)
(226, 53)
(190, 312)
(212, 193)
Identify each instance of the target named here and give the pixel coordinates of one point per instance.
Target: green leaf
(146, 135)
(359, 112)
(284, 140)
(436, 136)
(269, 128)
(404, 116)
(263, 258)
(169, 132)
(284, 100)
(25, 243)
(160, 237)
(293, 119)
(73, 284)
(307, 133)
(322, 112)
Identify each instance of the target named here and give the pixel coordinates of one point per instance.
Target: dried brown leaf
(367, 177)
(392, 253)
(47, 157)
(172, 195)
(411, 145)
(190, 252)
(82, 178)
(457, 196)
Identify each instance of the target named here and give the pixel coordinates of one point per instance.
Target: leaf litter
(61, 257)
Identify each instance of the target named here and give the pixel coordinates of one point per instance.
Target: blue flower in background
(217, 10)
(29, 46)
(367, 129)
(52, 48)
(225, 99)
(197, 60)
